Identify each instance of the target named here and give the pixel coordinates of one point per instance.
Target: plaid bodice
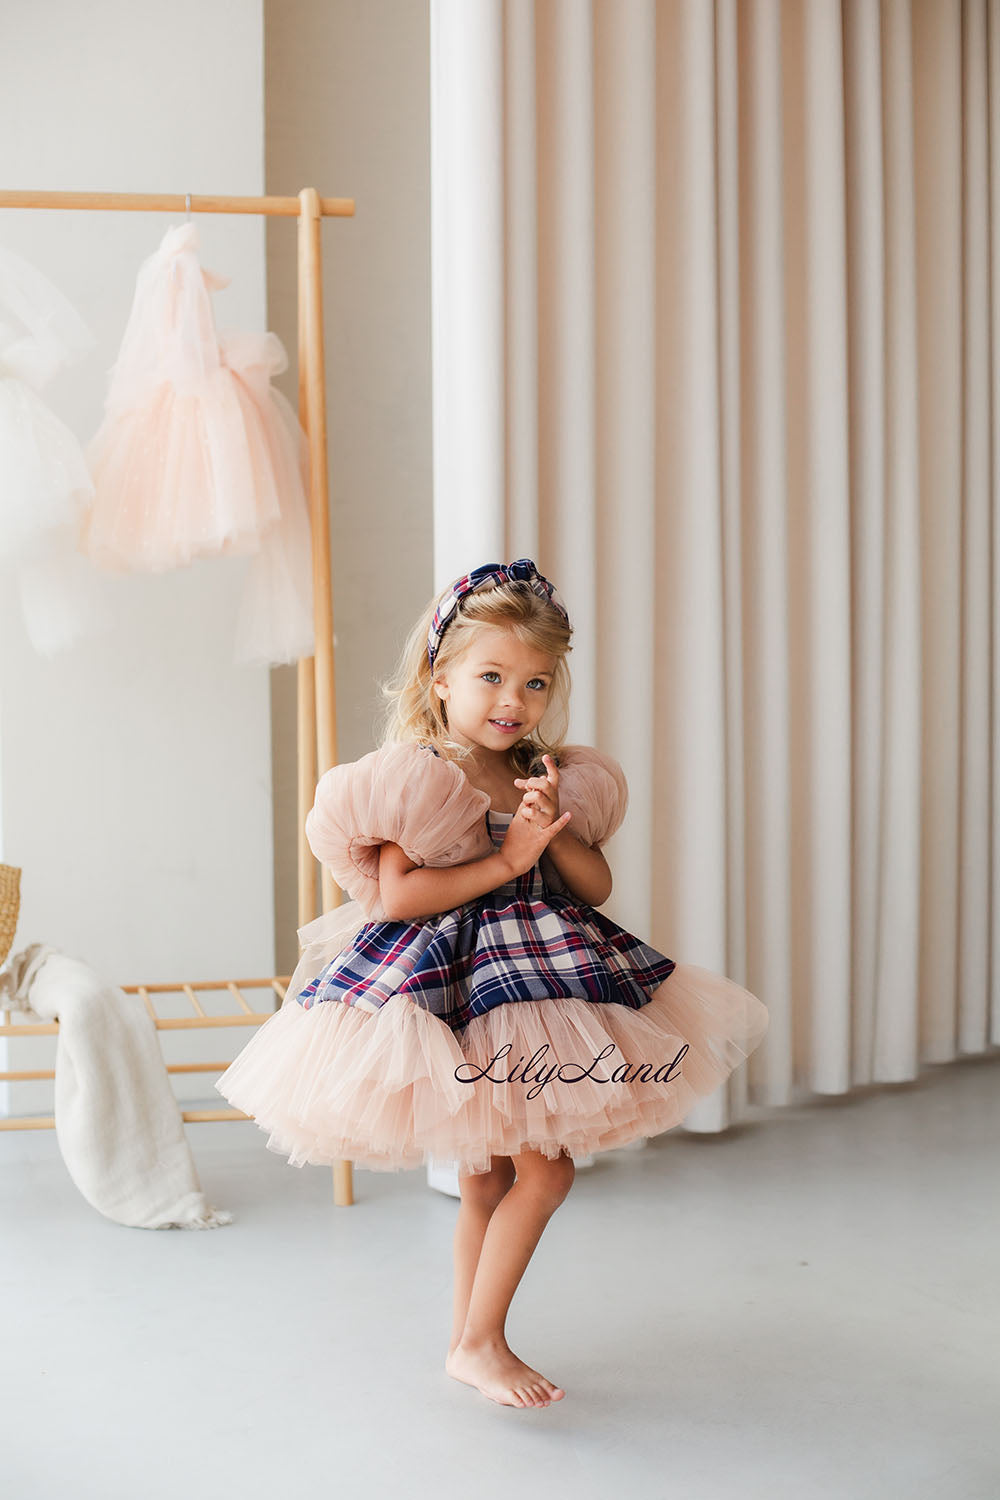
(521, 941)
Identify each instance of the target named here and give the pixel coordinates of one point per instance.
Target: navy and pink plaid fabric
(523, 941)
(523, 569)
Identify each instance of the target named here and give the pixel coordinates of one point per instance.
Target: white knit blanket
(118, 1122)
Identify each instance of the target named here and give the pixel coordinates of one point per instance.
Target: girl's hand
(526, 840)
(541, 799)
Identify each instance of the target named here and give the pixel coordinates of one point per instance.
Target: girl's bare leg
(482, 1357)
(481, 1192)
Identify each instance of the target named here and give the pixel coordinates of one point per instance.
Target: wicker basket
(10, 903)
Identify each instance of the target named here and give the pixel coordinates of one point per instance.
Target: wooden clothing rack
(316, 681)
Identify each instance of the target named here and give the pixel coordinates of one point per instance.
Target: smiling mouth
(506, 723)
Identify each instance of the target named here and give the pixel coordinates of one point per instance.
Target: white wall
(348, 112)
(135, 770)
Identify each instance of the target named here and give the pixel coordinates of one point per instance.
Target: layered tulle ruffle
(397, 1088)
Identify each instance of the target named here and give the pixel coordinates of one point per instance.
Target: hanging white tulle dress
(45, 485)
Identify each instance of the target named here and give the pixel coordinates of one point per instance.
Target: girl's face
(497, 679)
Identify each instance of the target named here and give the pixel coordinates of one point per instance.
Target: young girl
(470, 1003)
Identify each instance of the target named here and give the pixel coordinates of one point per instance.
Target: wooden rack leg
(312, 386)
(307, 778)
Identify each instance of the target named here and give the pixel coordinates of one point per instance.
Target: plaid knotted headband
(522, 570)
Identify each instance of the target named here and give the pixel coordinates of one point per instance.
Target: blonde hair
(413, 711)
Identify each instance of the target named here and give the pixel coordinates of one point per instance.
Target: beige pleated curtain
(714, 342)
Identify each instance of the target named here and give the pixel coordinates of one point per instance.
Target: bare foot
(496, 1371)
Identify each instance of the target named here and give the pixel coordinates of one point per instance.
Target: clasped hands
(537, 820)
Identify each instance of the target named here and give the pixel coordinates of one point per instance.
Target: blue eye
(541, 684)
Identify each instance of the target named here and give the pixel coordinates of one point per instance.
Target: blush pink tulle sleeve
(593, 785)
(402, 794)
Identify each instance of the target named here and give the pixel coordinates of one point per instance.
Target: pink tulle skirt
(396, 1088)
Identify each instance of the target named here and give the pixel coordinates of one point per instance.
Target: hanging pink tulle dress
(198, 456)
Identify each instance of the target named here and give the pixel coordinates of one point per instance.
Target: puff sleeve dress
(523, 1020)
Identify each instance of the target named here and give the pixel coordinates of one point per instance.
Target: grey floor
(806, 1306)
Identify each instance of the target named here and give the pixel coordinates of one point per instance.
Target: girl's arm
(412, 892)
(585, 871)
